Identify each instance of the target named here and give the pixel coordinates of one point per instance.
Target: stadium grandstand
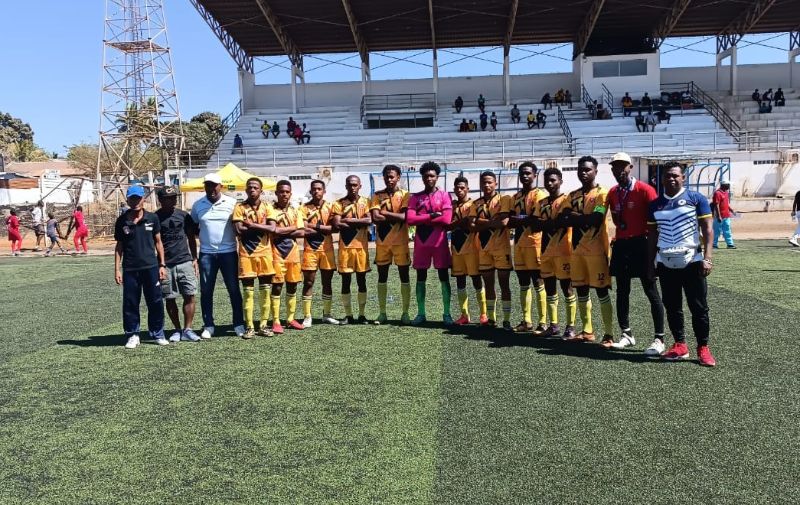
(703, 114)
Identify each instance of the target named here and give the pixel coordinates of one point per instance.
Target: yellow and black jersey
(352, 238)
(313, 214)
(285, 247)
(589, 240)
(463, 241)
(391, 234)
(525, 205)
(493, 240)
(554, 242)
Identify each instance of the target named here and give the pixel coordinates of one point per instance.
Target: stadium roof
(292, 27)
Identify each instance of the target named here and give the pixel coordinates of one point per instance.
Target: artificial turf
(368, 414)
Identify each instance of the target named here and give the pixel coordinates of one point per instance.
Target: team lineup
(552, 240)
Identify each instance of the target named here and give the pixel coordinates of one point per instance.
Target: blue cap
(135, 191)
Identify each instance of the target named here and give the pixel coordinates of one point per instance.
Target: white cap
(215, 178)
(724, 182)
(622, 157)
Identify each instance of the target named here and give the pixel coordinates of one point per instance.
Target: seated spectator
(639, 119)
(767, 96)
(493, 121)
(515, 114)
(559, 96)
(531, 119)
(764, 108)
(306, 134)
(484, 119)
(756, 96)
(686, 97)
(473, 126)
(459, 103)
(276, 130)
(663, 115)
(547, 101)
(481, 103)
(541, 119)
(780, 100)
(568, 98)
(646, 101)
(593, 109)
(238, 145)
(265, 129)
(464, 126)
(602, 112)
(627, 105)
(290, 126)
(298, 134)
(650, 120)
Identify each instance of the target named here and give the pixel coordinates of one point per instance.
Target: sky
(51, 65)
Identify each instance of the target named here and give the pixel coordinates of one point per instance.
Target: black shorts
(629, 257)
(38, 230)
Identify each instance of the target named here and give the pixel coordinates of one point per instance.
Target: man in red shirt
(629, 202)
(721, 208)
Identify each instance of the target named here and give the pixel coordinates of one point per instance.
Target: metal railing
(699, 96)
(562, 122)
(586, 97)
(608, 98)
(201, 155)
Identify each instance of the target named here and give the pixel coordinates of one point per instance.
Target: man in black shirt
(180, 256)
(541, 119)
(139, 267)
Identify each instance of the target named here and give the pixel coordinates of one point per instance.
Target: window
(632, 67)
(619, 68)
(606, 69)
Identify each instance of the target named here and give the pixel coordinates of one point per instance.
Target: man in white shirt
(213, 215)
(38, 223)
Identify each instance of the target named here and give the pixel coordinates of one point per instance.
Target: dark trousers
(689, 280)
(134, 283)
(210, 265)
(624, 301)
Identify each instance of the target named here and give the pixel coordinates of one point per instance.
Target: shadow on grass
(119, 339)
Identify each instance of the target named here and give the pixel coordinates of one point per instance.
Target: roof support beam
(512, 19)
(733, 33)
(239, 55)
(363, 50)
(586, 28)
(669, 21)
(435, 63)
(286, 42)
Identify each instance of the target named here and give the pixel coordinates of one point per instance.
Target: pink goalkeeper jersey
(431, 232)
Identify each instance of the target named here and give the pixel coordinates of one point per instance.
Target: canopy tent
(233, 179)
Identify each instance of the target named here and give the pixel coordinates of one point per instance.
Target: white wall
(637, 85)
(765, 75)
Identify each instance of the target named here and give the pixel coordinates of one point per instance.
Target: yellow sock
(525, 303)
(326, 305)
(405, 295)
(382, 288)
(552, 309)
(276, 309)
(463, 301)
(491, 309)
(248, 300)
(307, 306)
(572, 309)
(506, 310)
(541, 304)
(347, 304)
(585, 309)
(362, 303)
(264, 301)
(291, 306)
(607, 312)
(481, 297)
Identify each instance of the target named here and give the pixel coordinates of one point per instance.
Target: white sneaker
(307, 322)
(329, 320)
(208, 332)
(133, 342)
(175, 337)
(161, 341)
(626, 340)
(794, 242)
(656, 348)
(189, 335)
(239, 330)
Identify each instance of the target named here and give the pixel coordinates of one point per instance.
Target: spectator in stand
(663, 115)
(593, 110)
(493, 121)
(276, 129)
(568, 98)
(459, 103)
(640, 124)
(237, 144)
(764, 108)
(541, 119)
(780, 100)
(484, 119)
(481, 103)
(602, 112)
(646, 101)
(290, 126)
(306, 134)
(650, 121)
(559, 96)
(767, 96)
(515, 114)
(464, 126)
(298, 134)
(547, 101)
(531, 119)
(473, 126)
(756, 96)
(627, 105)
(722, 212)
(265, 129)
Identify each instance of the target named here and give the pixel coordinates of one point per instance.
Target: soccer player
(317, 252)
(527, 248)
(464, 251)
(255, 256)
(556, 253)
(494, 247)
(387, 209)
(351, 218)
(585, 211)
(796, 217)
(285, 255)
(431, 211)
(629, 202)
(676, 222)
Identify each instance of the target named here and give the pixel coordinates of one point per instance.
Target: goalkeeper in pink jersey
(431, 211)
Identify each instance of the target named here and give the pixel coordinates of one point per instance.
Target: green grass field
(394, 414)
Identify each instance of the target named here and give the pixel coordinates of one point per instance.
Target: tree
(26, 150)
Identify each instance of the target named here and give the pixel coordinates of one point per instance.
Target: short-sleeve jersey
(677, 220)
(138, 240)
(313, 214)
(557, 242)
(391, 234)
(253, 243)
(285, 247)
(493, 240)
(525, 205)
(588, 240)
(352, 238)
(463, 241)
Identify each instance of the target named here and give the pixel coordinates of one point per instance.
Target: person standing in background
(722, 211)
(81, 230)
(12, 225)
(37, 214)
(796, 217)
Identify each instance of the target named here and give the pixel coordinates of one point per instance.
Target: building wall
(636, 85)
(764, 75)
